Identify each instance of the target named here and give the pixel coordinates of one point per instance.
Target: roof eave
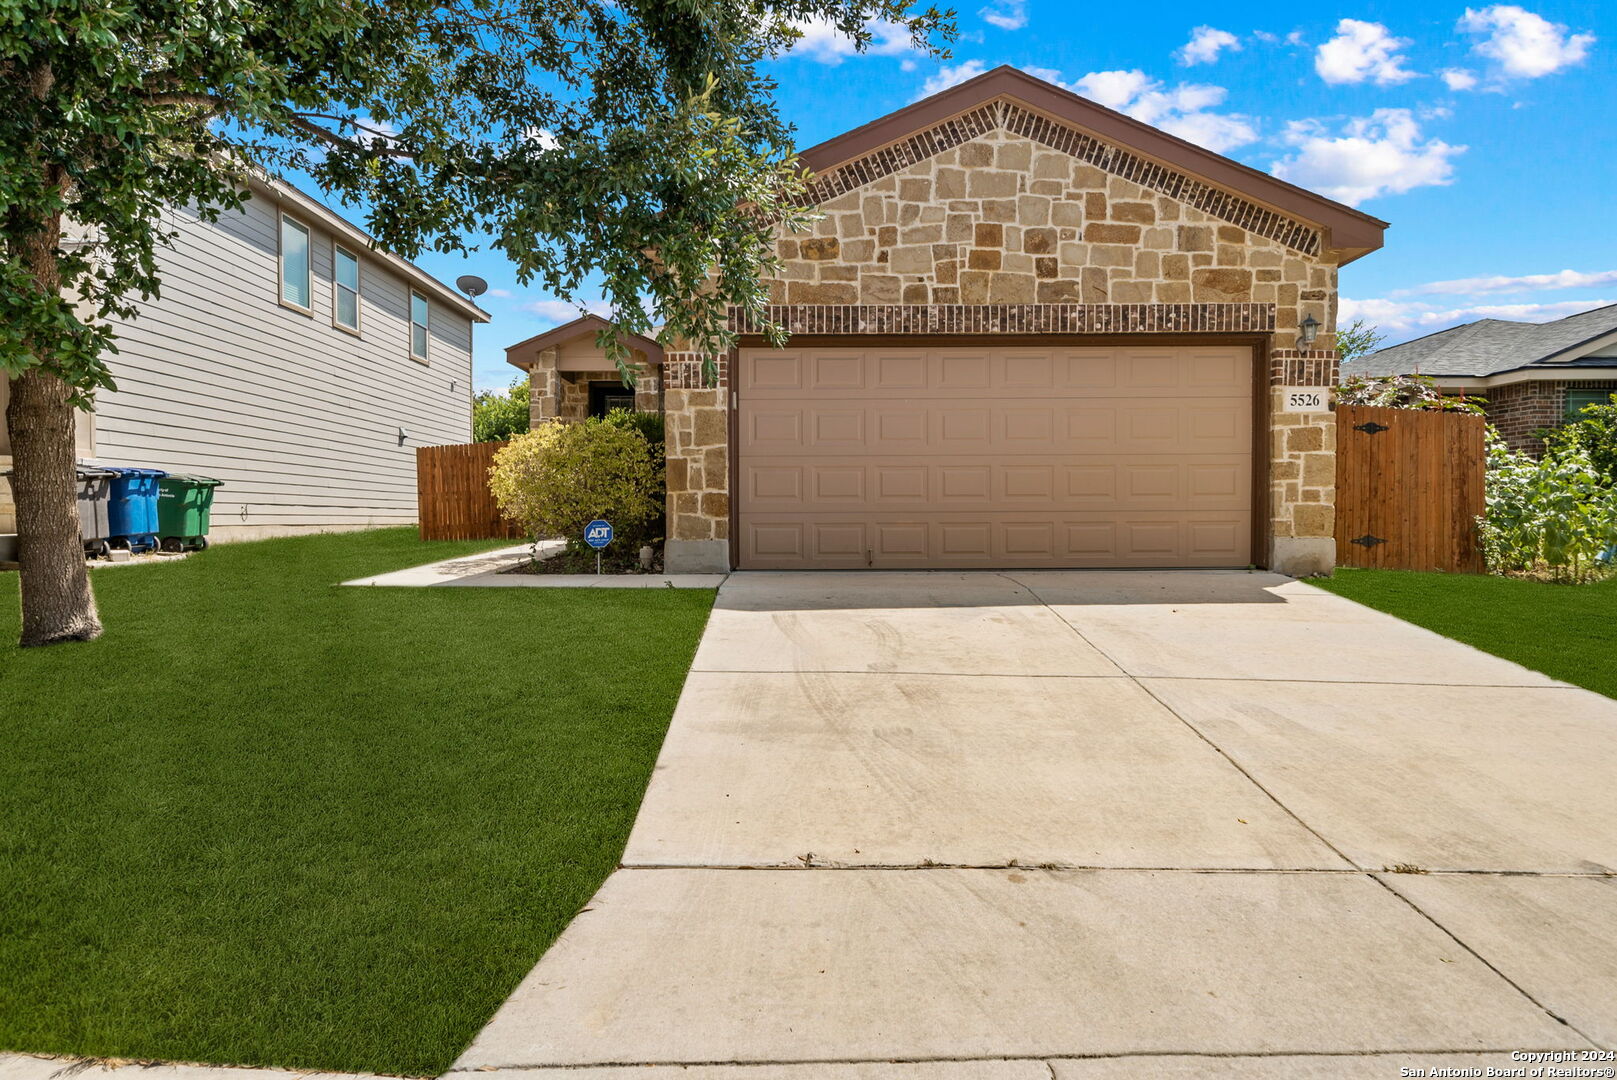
(569, 331)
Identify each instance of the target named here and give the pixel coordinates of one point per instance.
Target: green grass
(1568, 632)
(268, 821)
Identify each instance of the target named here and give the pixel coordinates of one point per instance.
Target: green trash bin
(183, 505)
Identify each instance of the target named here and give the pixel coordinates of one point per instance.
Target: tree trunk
(57, 604)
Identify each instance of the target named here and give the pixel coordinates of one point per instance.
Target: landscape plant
(1553, 516)
(555, 480)
(499, 414)
(1406, 392)
(1595, 430)
(631, 148)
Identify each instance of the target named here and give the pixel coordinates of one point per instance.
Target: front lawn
(1568, 632)
(269, 821)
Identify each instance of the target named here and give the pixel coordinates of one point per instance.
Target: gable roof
(1349, 233)
(1492, 346)
(569, 331)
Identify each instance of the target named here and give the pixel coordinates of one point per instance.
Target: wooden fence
(452, 497)
(1408, 489)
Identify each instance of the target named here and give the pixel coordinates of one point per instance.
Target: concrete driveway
(1091, 825)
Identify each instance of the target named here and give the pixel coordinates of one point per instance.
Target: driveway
(1091, 825)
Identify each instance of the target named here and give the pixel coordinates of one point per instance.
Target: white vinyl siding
(298, 418)
(420, 318)
(345, 289)
(295, 264)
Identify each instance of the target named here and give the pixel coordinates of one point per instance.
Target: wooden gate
(1408, 489)
(453, 501)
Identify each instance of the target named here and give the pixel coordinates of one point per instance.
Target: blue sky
(1486, 135)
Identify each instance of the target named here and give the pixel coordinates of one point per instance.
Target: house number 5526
(1305, 399)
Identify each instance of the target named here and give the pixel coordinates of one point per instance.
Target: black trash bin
(94, 487)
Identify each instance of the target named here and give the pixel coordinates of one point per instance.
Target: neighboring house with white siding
(292, 361)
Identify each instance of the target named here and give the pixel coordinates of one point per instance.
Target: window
(418, 326)
(1577, 399)
(294, 264)
(345, 289)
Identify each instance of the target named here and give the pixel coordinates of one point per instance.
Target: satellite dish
(471, 285)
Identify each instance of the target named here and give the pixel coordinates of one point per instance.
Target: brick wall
(1517, 410)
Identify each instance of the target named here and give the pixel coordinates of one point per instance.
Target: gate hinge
(1367, 540)
(1371, 427)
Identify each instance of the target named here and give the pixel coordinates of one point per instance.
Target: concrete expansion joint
(1045, 1059)
(1094, 868)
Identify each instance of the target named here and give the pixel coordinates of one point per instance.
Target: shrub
(648, 424)
(1405, 392)
(1553, 514)
(555, 480)
(1595, 430)
(497, 416)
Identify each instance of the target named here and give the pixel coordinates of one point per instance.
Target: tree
(637, 139)
(498, 415)
(1357, 339)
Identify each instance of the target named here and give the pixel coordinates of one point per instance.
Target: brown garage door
(995, 457)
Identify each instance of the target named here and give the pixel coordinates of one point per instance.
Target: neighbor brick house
(1027, 332)
(1533, 375)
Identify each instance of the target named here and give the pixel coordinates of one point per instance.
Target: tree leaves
(633, 139)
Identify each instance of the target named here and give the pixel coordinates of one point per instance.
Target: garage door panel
(1027, 456)
(1145, 539)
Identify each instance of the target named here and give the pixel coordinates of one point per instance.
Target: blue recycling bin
(132, 511)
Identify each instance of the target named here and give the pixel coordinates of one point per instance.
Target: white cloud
(1006, 14)
(1458, 78)
(1522, 44)
(1359, 51)
(946, 77)
(1205, 44)
(561, 311)
(1183, 110)
(541, 138)
(1381, 154)
(500, 294)
(1500, 283)
(823, 42)
(1405, 317)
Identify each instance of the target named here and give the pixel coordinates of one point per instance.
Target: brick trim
(1115, 160)
(1288, 367)
(683, 370)
(1013, 318)
(1159, 178)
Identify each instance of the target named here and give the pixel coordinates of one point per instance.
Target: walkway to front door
(1089, 824)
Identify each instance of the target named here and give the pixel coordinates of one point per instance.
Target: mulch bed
(574, 562)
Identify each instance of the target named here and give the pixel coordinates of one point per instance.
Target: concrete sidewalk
(1091, 825)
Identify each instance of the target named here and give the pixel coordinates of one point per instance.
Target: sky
(1486, 136)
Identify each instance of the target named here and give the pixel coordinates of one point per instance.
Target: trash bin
(94, 487)
(183, 505)
(132, 512)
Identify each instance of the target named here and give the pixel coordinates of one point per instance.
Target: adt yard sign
(598, 534)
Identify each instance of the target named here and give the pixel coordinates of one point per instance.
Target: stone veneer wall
(565, 395)
(1004, 222)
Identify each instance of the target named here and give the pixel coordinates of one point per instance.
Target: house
(291, 360)
(1027, 331)
(1533, 375)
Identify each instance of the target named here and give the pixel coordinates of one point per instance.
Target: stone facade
(1520, 409)
(565, 395)
(1004, 222)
